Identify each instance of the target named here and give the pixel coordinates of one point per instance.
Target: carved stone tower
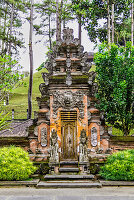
(68, 125)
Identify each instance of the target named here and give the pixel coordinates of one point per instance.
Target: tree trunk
(4, 50)
(50, 40)
(31, 63)
(112, 23)
(108, 21)
(79, 29)
(132, 24)
(64, 23)
(11, 27)
(58, 24)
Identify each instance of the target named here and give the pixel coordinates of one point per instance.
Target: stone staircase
(69, 177)
(70, 167)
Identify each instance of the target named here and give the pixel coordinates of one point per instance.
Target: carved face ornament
(68, 100)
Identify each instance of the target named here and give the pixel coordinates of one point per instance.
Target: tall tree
(58, 21)
(46, 13)
(112, 22)
(115, 68)
(79, 28)
(11, 21)
(78, 8)
(11, 27)
(63, 14)
(108, 22)
(31, 60)
(52, 13)
(96, 11)
(132, 24)
(66, 12)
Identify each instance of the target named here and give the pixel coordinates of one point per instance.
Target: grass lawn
(19, 98)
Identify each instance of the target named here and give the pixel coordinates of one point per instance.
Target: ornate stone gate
(68, 125)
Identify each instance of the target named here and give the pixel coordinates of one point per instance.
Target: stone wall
(117, 143)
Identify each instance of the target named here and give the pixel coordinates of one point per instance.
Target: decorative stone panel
(94, 136)
(68, 100)
(43, 136)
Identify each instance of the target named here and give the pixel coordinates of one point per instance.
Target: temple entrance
(69, 133)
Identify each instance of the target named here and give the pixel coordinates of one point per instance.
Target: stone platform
(69, 184)
(69, 177)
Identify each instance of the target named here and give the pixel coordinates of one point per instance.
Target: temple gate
(68, 127)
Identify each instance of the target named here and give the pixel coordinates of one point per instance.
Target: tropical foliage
(119, 166)
(9, 75)
(94, 15)
(115, 68)
(15, 164)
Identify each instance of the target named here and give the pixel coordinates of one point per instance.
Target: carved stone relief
(43, 89)
(44, 137)
(94, 137)
(94, 89)
(89, 115)
(48, 115)
(36, 131)
(88, 112)
(68, 100)
(83, 155)
(101, 130)
(69, 78)
(68, 40)
(54, 148)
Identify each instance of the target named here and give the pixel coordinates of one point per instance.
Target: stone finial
(68, 34)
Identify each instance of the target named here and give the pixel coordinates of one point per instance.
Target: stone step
(68, 163)
(69, 177)
(68, 166)
(91, 184)
(68, 169)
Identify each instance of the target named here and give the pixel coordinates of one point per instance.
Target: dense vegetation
(94, 15)
(119, 166)
(15, 164)
(115, 69)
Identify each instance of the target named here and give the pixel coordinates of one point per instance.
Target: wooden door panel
(69, 140)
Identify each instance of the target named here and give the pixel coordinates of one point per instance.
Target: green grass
(37, 80)
(19, 97)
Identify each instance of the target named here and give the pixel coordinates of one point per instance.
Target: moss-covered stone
(43, 167)
(122, 138)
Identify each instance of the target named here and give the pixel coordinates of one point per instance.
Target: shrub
(119, 166)
(15, 164)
